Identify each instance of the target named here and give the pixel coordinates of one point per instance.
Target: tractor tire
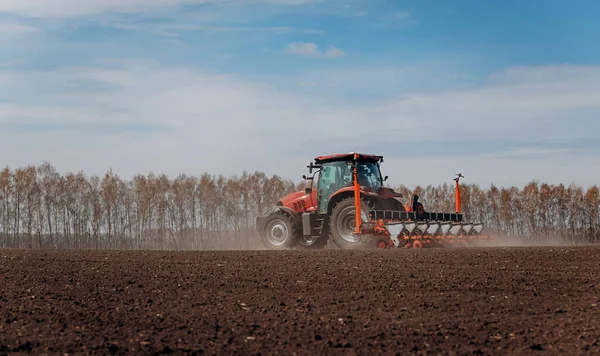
(279, 232)
(341, 225)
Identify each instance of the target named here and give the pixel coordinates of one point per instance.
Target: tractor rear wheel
(279, 232)
(342, 223)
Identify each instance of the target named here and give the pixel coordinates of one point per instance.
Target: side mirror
(385, 178)
(312, 166)
(308, 190)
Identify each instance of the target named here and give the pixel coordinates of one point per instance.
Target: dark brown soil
(454, 301)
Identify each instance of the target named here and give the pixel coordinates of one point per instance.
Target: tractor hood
(292, 197)
(301, 201)
(383, 192)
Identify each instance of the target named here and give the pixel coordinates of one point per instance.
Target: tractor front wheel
(342, 223)
(279, 232)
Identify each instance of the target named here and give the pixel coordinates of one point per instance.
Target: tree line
(41, 208)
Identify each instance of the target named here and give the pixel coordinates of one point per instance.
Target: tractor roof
(346, 157)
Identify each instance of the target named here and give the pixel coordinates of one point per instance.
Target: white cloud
(16, 29)
(333, 52)
(192, 114)
(141, 116)
(73, 8)
(312, 50)
(382, 80)
(175, 29)
(304, 49)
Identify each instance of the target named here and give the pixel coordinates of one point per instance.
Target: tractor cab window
(336, 175)
(331, 178)
(369, 175)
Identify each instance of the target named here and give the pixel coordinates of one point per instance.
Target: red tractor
(347, 206)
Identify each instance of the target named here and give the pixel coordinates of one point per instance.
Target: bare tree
(40, 208)
(6, 194)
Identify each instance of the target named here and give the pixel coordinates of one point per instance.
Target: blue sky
(504, 91)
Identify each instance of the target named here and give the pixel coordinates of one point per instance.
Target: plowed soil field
(454, 301)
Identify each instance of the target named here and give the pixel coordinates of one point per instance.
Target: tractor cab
(335, 175)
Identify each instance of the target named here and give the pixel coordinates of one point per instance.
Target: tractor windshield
(368, 175)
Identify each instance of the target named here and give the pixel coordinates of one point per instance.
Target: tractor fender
(293, 214)
(260, 220)
(345, 194)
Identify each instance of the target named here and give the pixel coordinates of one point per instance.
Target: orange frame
(357, 195)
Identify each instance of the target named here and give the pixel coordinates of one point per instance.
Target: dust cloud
(255, 244)
(521, 241)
